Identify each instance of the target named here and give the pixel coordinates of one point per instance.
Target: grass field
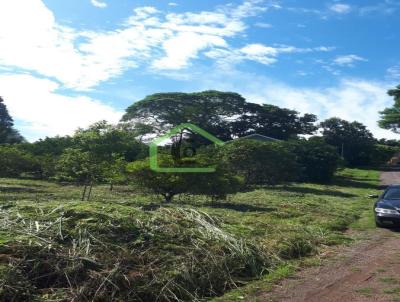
(122, 246)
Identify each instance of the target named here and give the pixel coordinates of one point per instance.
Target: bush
(217, 184)
(316, 159)
(14, 162)
(259, 162)
(382, 154)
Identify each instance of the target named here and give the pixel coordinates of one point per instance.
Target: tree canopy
(352, 139)
(8, 135)
(390, 117)
(273, 121)
(224, 114)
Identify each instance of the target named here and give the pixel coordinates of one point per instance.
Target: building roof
(257, 137)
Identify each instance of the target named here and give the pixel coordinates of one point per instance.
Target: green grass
(389, 280)
(191, 249)
(366, 291)
(392, 291)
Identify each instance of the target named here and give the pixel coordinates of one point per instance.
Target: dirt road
(367, 271)
(390, 177)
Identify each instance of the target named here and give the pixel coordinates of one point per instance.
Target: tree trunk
(111, 187)
(90, 191)
(168, 197)
(84, 192)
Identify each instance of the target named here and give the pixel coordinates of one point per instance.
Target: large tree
(210, 110)
(8, 135)
(390, 117)
(352, 139)
(224, 114)
(273, 121)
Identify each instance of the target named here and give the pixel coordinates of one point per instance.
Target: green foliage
(390, 117)
(96, 154)
(260, 162)
(273, 121)
(317, 161)
(381, 154)
(115, 171)
(217, 184)
(223, 114)
(352, 139)
(14, 162)
(78, 166)
(8, 135)
(50, 146)
(104, 141)
(389, 142)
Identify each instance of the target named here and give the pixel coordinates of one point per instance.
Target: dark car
(387, 208)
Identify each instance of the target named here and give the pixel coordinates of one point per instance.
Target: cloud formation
(45, 112)
(348, 60)
(393, 72)
(340, 8)
(149, 38)
(256, 52)
(98, 3)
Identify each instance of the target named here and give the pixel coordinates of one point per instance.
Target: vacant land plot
(366, 271)
(123, 246)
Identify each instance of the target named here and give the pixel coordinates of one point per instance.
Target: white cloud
(393, 72)
(340, 8)
(352, 100)
(386, 7)
(45, 112)
(184, 47)
(33, 40)
(348, 60)
(263, 25)
(98, 4)
(248, 8)
(173, 4)
(260, 53)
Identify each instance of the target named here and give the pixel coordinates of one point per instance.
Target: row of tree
(241, 164)
(111, 154)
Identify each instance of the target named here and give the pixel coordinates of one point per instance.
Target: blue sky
(67, 64)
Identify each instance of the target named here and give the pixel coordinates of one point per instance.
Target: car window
(393, 193)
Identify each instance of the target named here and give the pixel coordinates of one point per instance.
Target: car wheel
(378, 224)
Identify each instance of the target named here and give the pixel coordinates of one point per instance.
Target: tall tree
(273, 121)
(224, 114)
(8, 135)
(390, 117)
(352, 139)
(210, 110)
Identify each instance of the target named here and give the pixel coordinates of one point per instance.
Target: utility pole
(342, 150)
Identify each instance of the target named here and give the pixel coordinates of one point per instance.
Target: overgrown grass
(122, 247)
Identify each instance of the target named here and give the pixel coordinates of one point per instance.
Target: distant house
(395, 160)
(259, 137)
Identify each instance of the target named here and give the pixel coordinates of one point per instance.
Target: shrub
(14, 162)
(216, 184)
(316, 159)
(259, 162)
(381, 154)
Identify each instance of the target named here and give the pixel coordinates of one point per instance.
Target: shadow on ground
(351, 182)
(314, 191)
(239, 207)
(20, 190)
